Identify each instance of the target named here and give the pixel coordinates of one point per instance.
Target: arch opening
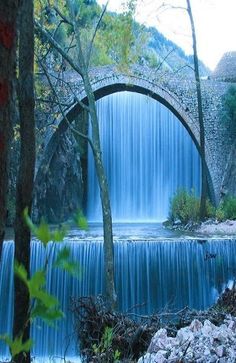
(148, 155)
(117, 85)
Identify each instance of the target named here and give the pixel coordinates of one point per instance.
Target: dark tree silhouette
(8, 35)
(26, 170)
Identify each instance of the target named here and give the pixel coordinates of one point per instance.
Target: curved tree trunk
(26, 169)
(105, 201)
(200, 116)
(101, 175)
(8, 36)
(80, 65)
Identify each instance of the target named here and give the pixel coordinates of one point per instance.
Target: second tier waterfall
(148, 155)
(150, 275)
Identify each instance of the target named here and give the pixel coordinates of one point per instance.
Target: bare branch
(82, 104)
(43, 100)
(64, 18)
(164, 59)
(184, 66)
(57, 46)
(95, 32)
(62, 111)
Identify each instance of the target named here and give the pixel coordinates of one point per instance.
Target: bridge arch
(116, 83)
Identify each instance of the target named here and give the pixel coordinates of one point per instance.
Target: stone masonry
(174, 91)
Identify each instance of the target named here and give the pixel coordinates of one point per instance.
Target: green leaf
(62, 256)
(43, 233)
(28, 220)
(63, 261)
(37, 291)
(46, 299)
(59, 234)
(48, 315)
(37, 280)
(21, 272)
(81, 221)
(16, 346)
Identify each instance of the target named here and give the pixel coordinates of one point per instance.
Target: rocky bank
(198, 342)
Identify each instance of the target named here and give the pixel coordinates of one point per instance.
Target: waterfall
(148, 155)
(150, 275)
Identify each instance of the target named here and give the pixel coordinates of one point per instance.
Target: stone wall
(173, 90)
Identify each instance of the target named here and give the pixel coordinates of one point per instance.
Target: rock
(152, 358)
(159, 341)
(202, 343)
(185, 335)
(177, 222)
(59, 192)
(220, 351)
(196, 325)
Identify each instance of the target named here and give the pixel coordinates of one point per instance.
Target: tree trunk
(101, 175)
(26, 169)
(8, 36)
(80, 66)
(105, 201)
(200, 116)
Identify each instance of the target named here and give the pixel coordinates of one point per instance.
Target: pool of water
(129, 231)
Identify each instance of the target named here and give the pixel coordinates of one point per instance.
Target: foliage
(119, 40)
(43, 304)
(229, 207)
(105, 345)
(210, 210)
(80, 220)
(16, 346)
(220, 214)
(229, 109)
(184, 206)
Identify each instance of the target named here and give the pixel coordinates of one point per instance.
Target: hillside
(174, 56)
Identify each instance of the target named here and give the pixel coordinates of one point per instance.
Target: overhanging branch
(57, 46)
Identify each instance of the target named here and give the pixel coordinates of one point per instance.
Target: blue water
(148, 155)
(150, 274)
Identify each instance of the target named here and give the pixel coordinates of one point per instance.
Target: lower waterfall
(149, 274)
(148, 155)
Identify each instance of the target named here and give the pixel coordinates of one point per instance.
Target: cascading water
(148, 155)
(152, 274)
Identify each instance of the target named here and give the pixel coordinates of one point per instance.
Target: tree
(200, 116)
(204, 182)
(8, 35)
(81, 66)
(26, 170)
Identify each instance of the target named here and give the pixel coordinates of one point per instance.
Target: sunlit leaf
(43, 233)
(59, 234)
(48, 315)
(37, 282)
(63, 261)
(16, 346)
(28, 220)
(81, 221)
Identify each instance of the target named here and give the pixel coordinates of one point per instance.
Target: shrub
(220, 214)
(229, 207)
(229, 109)
(184, 206)
(210, 210)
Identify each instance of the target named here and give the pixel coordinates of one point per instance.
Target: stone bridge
(175, 91)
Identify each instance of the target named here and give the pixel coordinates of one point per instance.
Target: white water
(148, 155)
(149, 274)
